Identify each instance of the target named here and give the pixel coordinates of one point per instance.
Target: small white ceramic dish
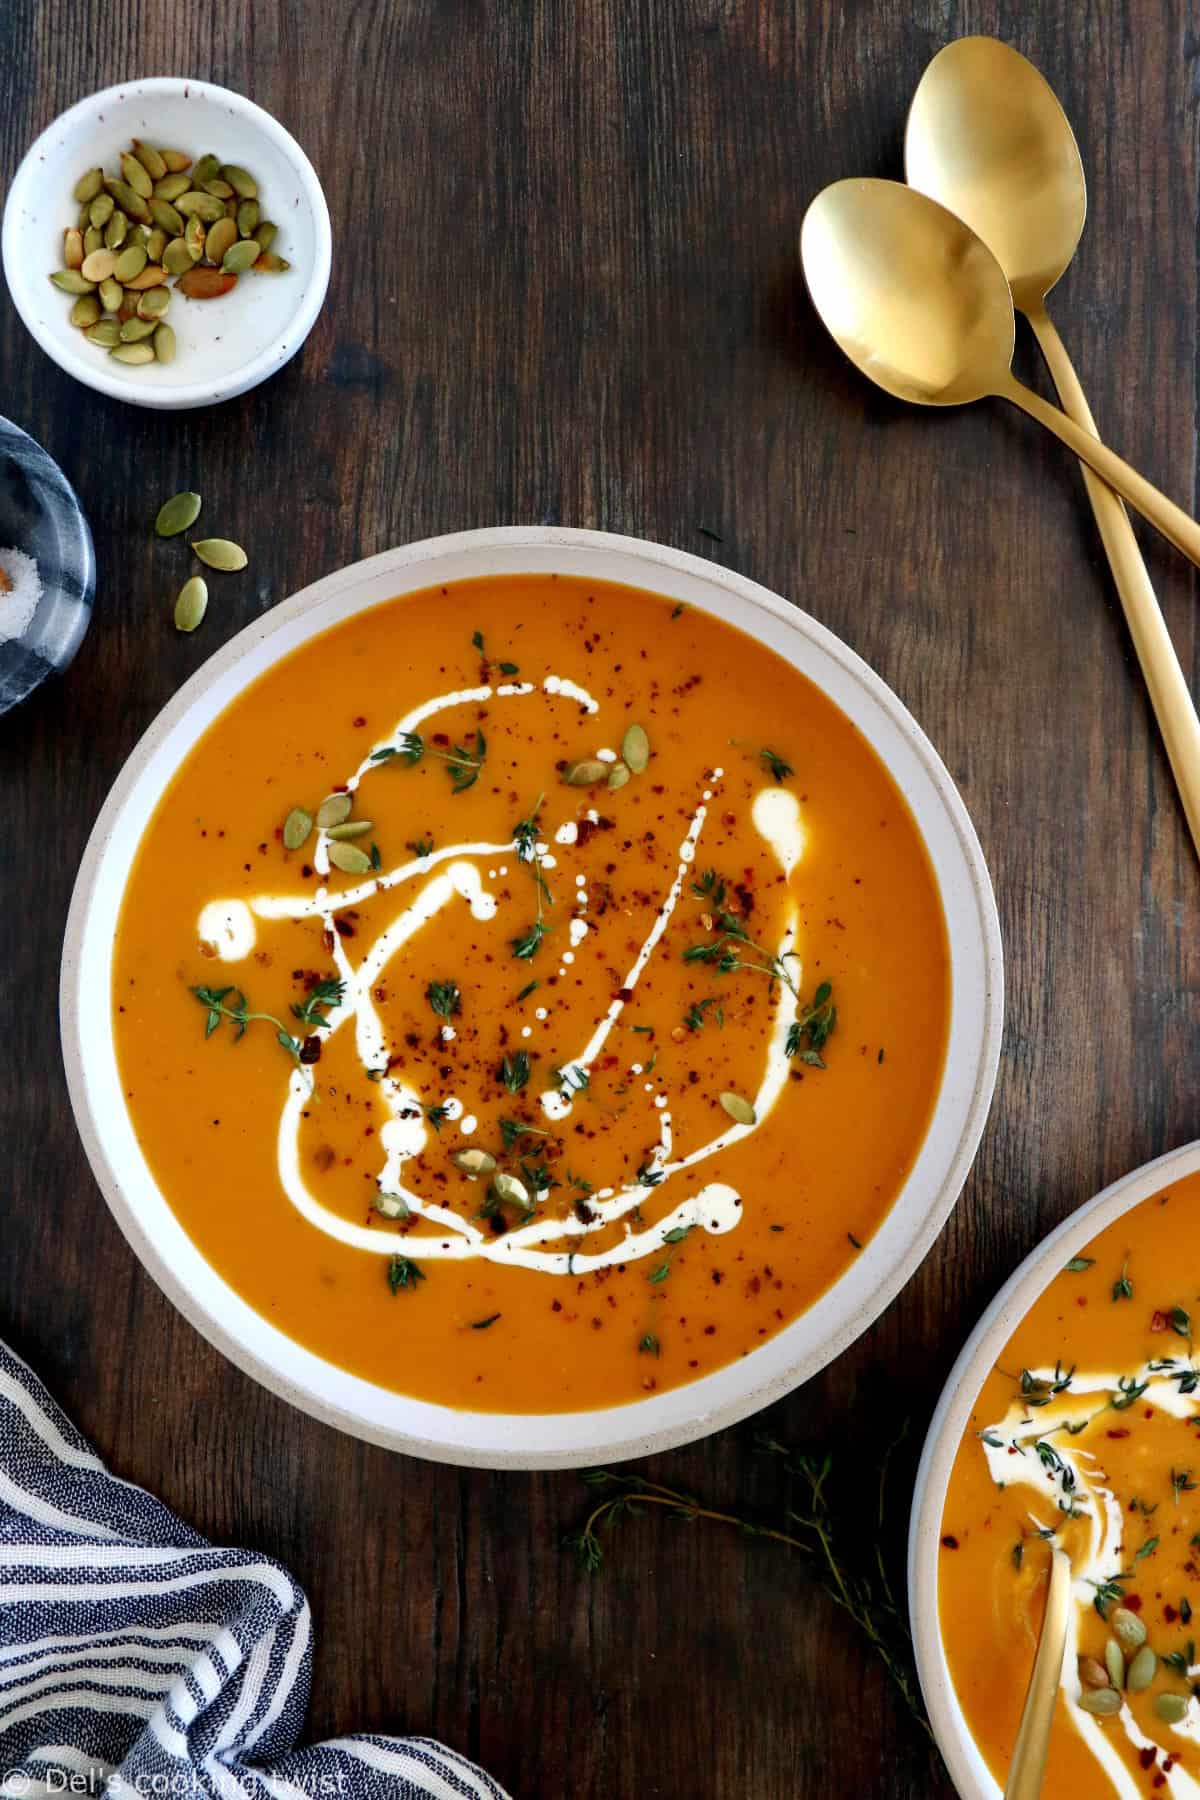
(968, 1770)
(660, 1420)
(225, 346)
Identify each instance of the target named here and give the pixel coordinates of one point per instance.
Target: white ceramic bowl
(225, 346)
(659, 1420)
(968, 1770)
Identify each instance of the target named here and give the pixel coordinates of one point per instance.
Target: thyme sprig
(489, 662)
(525, 842)
(817, 1023)
(311, 1012)
(462, 763)
(727, 950)
(812, 1524)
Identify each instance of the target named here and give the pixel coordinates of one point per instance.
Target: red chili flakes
(1133, 1603)
(1148, 1757)
(585, 831)
(359, 722)
(949, 1543)
(1159, 1321)
(1170, 1613)
(310, 1050)
(556, 1306)
(1121, 1433)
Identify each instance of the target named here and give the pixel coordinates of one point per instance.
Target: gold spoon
(987, 137)
(918, 302)
(1028, 1767)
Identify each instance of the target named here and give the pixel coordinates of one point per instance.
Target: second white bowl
(225, 346)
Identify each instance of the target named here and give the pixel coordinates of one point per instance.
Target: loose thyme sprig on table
(856, 1581)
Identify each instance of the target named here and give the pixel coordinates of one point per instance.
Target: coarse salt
(19, 603)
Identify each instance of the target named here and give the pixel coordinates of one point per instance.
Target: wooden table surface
(565, 289)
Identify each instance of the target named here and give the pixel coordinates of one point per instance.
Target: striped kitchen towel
(137, 1659)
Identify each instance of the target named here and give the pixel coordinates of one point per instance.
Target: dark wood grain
(565, 289)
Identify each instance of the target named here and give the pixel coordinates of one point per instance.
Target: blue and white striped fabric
(136, 1658)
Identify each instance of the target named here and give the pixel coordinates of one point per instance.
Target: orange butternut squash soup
(1087, 1434)
(531, 994)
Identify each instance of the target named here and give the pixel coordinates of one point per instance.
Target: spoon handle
(1168, 689)
(1028, 1767)
(1141, 494)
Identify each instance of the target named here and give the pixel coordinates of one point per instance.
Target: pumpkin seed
(88, 186)
(1091, 1673)
(84, 219)
(153, 303)
(164, 344)
(297, 828)
(1103, 1703)
(392, 1206)
(93, 240)
(220, 553)
(240, 256)
(153, 275)
(1171, 1708)
(128, 308)
(137, 234)
(195, 205)
(264, 235)
(353, 828)
(111, 294)
(205, 169)
(98, 266)
(1128, 1629)
(247, 218)
(101, 211)
(335, 809)
(131, 261)
(243, 184)
(134, 354)
(510, 1190)
(193, 237)
(105, 332)
(176, 160)
(86, 311)
(192, 603)
(220, 190)
(171, 186)
(73, 248)
(221, 238)
(166, 218)
(128, 200)
(349, 859)
(137, 175)
(205, 284)
(150, 159)
(1142, 1670)
(618, 776)
(739, 1110)
(176, 258)
(586, 773)
(72, 281)
(635, 748)
(156, 243)
(231, 206)
(116, 231)
(134, 330)
(177, 513)
(474, 1162)
(270, 264)
(1114, 1661)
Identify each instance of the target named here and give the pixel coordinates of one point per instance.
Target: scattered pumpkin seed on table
(219, 553)
(192, 603)
(177, 513)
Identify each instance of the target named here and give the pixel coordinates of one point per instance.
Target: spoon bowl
(912, 295)
(987, 135)
(918, 302)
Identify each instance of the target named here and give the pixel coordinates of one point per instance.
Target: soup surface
(531, 994)
(1087, 1433)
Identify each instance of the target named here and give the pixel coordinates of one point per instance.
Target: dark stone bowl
(40, 515)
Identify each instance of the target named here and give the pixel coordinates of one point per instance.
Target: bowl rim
(568, 1439)
(177, 395)
(1027, 1283)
